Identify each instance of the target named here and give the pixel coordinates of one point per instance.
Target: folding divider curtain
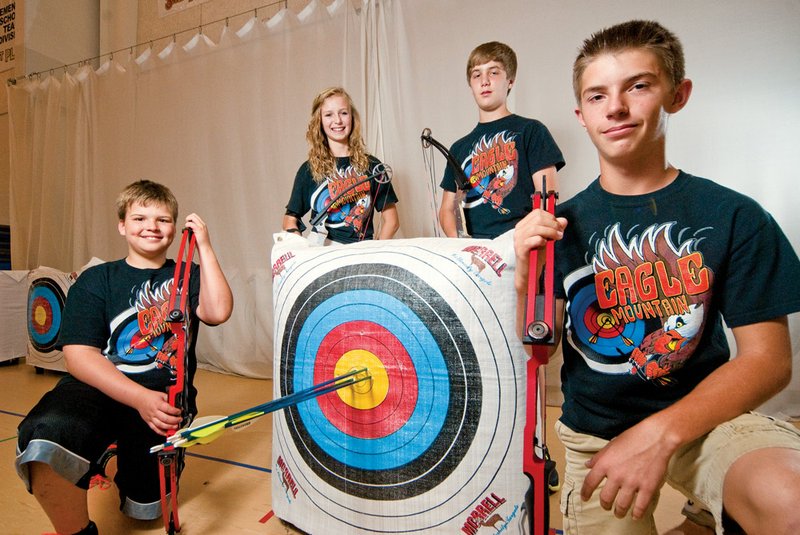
(221, 119)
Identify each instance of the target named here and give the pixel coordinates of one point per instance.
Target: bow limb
(462, 182)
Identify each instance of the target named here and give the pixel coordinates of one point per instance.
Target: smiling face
(149, 230)
(625, 99)
(490, 86)
(337, 121)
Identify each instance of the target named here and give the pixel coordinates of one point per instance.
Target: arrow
(208, 429)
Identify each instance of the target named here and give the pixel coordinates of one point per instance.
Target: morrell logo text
(280, 264)
(484, 514)
(488, 257)
(286, 477)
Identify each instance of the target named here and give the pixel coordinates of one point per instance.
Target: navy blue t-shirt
(499, 159)
(349, 206)
(648, 281)
(122, 310)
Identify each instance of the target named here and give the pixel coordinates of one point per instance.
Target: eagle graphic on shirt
(346, 199)
(492, 170)
(642, 306)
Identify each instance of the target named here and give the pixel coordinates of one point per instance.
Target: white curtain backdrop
(221, 119)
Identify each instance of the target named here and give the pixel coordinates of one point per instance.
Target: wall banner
(168, 7)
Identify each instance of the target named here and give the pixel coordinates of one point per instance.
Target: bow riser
(177, 393)
(539, 333)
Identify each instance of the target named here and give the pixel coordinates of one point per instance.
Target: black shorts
(70, 429)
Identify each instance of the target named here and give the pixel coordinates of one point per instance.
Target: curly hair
(320, 159)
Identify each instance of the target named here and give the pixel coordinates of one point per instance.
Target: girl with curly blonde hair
(340, 178)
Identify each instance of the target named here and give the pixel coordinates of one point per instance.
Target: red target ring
(400, 399)
(41, 319)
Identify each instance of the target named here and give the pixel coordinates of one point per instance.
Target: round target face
(45, 305)
(425, 431)
(403, 434)
(598, 328)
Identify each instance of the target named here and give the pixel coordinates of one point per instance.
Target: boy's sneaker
(90, 529)
(107, 455)
(102, 480)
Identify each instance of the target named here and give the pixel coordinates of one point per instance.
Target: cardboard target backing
(432, 443)
(13, 297)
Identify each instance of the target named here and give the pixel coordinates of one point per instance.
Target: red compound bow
(178, 393)
(539, 333)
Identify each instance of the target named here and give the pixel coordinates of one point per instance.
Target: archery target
(45, 304)
(47, 291)
(432, 432)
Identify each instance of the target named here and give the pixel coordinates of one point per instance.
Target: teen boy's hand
(157, 413)
(633, 465)
(198, 226)
(532, 232)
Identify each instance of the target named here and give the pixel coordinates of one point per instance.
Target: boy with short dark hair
(119, 352)
(502, 153)
(649, 268)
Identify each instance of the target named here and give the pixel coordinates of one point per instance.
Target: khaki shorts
(697, 470)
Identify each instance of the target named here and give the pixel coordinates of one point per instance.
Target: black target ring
(446, 452)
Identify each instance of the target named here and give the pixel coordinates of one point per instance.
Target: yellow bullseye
(40, 315)
(366, 394)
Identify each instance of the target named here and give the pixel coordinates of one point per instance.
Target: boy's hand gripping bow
(539, 332)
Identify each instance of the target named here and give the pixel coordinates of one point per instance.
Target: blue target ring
(598, 329)
(429, 415)
(45, 304)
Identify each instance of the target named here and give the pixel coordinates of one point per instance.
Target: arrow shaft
(187, 436)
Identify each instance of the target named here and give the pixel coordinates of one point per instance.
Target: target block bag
(432, 442)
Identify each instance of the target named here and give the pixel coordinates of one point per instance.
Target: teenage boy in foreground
(648, 268)
(119, 350)
(501, 155)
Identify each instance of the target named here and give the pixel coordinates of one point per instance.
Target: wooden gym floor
(225, 488)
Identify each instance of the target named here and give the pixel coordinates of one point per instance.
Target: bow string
(462, 182)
